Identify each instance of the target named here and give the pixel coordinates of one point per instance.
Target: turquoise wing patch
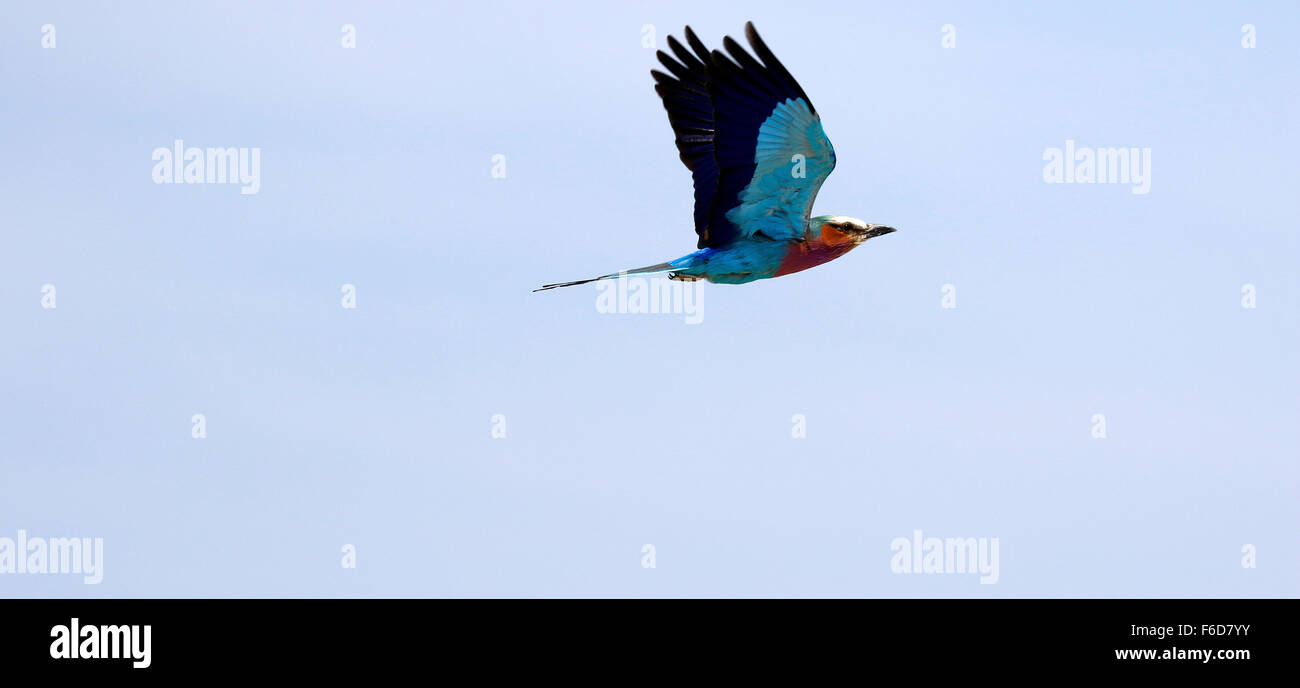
(792, 157)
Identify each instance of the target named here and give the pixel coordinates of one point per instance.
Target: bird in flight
(756, 150)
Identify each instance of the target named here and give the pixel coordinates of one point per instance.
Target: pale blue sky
(372, 426)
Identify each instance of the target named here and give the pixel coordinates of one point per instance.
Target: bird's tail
(661, 267)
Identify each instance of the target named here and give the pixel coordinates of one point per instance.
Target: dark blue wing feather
(717, 108)
(690, 112)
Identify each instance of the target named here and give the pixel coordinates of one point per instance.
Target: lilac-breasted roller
(758, 154)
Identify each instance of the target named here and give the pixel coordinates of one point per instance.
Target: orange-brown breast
(831, 244)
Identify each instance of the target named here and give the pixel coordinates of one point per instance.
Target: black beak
(878, 230)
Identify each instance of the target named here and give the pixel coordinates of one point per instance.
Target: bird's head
(850, 228)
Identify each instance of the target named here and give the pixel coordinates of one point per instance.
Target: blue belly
(741, 262)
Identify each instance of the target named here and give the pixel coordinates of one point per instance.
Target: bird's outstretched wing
(750, 136)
